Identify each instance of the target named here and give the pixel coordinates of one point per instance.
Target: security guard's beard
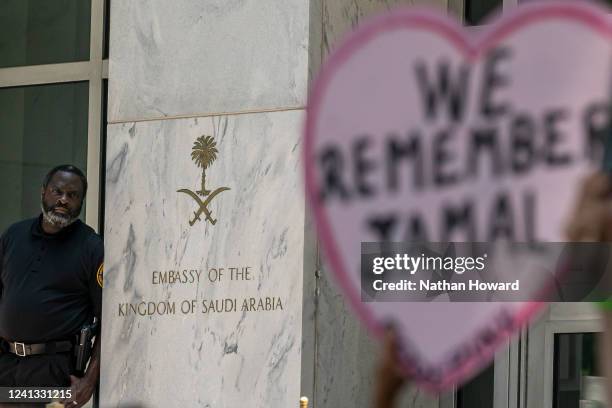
(57, 219)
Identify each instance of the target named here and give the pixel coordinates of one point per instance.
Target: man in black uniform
(50, 286)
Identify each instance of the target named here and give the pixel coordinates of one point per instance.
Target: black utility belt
(52, 347)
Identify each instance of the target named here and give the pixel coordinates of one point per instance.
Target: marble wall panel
(193, 57)
(190, 358)
(311, 278)
(345, 355)
(332, 20)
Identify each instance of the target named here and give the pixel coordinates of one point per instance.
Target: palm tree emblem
(203, 153)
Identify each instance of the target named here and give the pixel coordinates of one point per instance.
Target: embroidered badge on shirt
(99, 276)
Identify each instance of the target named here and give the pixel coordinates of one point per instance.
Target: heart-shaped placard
(420, 129)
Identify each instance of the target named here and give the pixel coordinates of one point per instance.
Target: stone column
(339, 356)
(203, 281)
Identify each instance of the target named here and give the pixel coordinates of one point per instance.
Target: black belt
(23, 350)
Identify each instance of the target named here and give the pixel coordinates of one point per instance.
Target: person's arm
(591, 221)
(389, 377)
(83, 388)
(92, 375)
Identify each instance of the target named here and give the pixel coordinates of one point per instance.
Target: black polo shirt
(50, 285)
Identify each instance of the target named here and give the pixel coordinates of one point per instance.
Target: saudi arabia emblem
(203, 153)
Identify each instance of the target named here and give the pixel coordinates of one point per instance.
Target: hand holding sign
(420, 131)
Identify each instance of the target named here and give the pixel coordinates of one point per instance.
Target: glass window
(576, 375)
(478, 392)
(36, 32)
(475, 11)
(40, 127)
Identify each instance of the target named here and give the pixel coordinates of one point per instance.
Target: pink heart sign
(421, 130)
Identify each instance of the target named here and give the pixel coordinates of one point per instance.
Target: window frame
(94, 71)
(593, 325)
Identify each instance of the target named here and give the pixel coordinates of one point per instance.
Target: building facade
(123, 89)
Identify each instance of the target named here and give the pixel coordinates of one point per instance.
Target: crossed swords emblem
(204, 153)
(202, 205)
